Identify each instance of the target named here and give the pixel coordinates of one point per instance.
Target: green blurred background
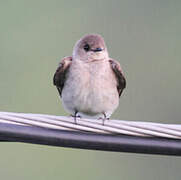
(144, 35)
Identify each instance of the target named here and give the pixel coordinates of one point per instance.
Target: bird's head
(90, 48)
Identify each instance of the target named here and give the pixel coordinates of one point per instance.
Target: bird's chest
(90, 88)
(91, 78)
(91, 82)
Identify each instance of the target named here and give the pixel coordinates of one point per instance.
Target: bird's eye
(86, 47)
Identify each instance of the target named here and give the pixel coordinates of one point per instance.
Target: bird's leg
(104, 118)
(75, 117)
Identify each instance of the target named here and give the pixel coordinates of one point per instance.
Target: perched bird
(89, 82)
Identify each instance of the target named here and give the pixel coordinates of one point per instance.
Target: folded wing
(61, 73)
(121, 81)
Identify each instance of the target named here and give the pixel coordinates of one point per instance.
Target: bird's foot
(103, 119)
(75, 116)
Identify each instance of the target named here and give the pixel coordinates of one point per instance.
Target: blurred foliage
(143, 35)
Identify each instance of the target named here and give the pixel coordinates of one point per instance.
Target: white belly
(90, 89)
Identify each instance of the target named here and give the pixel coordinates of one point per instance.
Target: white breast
(90, 88)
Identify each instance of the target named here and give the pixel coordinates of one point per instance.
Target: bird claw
(103, 119)
(75, 116)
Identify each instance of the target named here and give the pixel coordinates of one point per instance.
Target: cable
(146, 129)
(114, 135)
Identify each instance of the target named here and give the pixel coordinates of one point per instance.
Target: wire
(114, 135)
(146, 129)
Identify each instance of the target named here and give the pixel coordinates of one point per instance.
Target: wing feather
(121, 81)
(61, 72)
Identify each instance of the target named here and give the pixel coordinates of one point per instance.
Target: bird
(89, 82)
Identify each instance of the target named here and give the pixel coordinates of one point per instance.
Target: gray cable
(131, 128)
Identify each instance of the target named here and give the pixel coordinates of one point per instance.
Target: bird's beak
(97, 49)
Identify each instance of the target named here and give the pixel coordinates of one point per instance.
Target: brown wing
(121, 81)
(60, 74)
